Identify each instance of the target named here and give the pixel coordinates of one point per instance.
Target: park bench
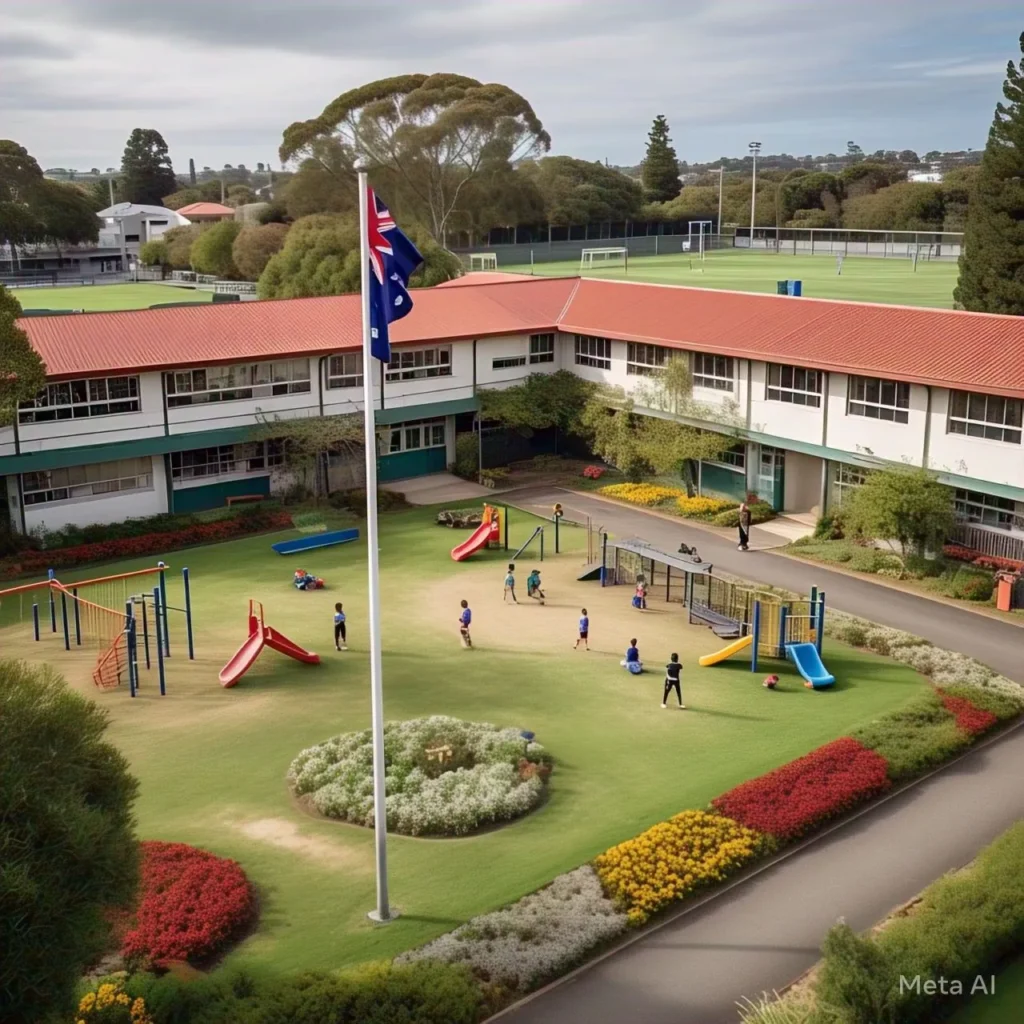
(236, 499)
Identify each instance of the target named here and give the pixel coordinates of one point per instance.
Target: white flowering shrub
(541, 937)
(443, 776)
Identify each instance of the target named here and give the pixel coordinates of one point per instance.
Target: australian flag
(392, 259)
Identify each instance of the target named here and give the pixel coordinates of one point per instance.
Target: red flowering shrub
(594, 472)
(191, 904)
(970, 719)
(793, 799)
(963, 554)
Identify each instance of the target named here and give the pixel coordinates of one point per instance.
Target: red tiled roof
(483, 277)
(206, 210)
(150, 339)
(974, 351)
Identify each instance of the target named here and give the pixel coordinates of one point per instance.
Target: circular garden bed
(445, 777)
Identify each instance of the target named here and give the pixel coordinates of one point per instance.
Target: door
(771, 476)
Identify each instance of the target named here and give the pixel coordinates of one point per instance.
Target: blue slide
(809, 665)
(316, 540)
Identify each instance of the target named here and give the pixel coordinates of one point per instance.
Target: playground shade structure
(318, 540)
(260, 636)
(809, 664)
(726, 652)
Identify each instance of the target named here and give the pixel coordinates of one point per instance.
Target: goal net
(483, 261)
(601, 259)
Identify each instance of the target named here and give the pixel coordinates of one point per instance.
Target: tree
(65, 214)
(212, 251)
(906, 506)
(661, 165)
(179, 245)
(254, 246)
(22, 373)
(905, 206)
(325, 181)
(191, 171)
(867, 177)
(20, 176)
(155, 253)
(542, 401)
(802, 190)
(240, 195)
(908, 156)
(957, 187)
(580, 191)
(853, 151)
(69, 854)
(856, 980)
(992, 261)
(146, 172)
(433, 134)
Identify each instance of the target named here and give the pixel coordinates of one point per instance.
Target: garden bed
(723, 512)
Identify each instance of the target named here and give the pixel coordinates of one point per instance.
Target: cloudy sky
(221, 78)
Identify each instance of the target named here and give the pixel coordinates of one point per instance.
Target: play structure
(627, 562)
(260, 636)
(316, 540)
(487, 533)
(307, 581)
(111, 614)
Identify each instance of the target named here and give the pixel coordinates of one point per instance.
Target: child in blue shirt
(632, 662)
(464, 620)
(339, 628)
(510, 584)
(584, 631)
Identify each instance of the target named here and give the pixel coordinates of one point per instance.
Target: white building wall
(782, 419)
(883, 439)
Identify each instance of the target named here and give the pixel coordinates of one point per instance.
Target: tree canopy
(66, 826)
(660, 172)
(992, 260)
(146, 172)
(430, 135)
(22, 373)
(580, 191)
(65, 214)
(212, 251)
(905, 206)
(179, 242)
(542, 401)
(254, 246)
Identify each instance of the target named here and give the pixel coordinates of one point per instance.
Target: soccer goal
(483, 261)
(601, 259)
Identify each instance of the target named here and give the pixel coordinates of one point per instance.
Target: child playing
(533, 586)
(464, 620)
(339, 628)
(640, 597)
(673, 672)
(584, 631)
(631, 662)
(510, 584)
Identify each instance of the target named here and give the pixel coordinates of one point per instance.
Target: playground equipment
(808, 663)
(107, 614)
(316, 540)
(625, 562)
(538, 532)
(307, 581)
(260, 636)
(726, 652)
(488, 532)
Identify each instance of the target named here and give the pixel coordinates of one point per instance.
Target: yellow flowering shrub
(110, 1004)
(648, 495)
(674, 858)
(699, 507)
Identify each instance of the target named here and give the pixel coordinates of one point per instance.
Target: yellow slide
(726, 652)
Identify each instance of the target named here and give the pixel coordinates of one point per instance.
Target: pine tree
(146, 172)
(661, 166)
(992, 260)
(191, 171)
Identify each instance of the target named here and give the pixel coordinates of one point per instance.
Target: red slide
(280, 643)
(261, 635)
(476, 540)
(242, 660)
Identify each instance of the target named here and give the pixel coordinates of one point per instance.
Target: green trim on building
(429, 411)
(215, 495)
(722, 482)
(419, 462)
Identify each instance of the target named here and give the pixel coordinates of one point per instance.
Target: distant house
(207, 213)
(932, 176)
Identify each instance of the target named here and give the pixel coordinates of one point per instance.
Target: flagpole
(383, 912)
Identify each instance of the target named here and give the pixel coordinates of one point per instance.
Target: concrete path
(997, 644)
(436, 489)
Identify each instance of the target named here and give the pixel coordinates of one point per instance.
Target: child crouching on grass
(631, 662)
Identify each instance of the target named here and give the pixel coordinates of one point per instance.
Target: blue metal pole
(188, 613)
(541, 528)
(133, 683)
(35, 621)
(145, 631)
(163, 609)
(757, 636)
(64, 620)
(78, 618)
(821, 621)
(53, 606)
(160, 639)
(783, 615)
(604, 557)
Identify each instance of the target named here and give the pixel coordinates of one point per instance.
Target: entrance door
(771, 476)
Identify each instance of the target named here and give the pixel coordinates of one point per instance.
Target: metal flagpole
(383, 912)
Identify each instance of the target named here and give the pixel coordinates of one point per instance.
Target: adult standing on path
(744, 544)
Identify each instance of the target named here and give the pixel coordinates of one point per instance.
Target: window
(988, 416)
(226, 458)
(87, 481)
(712, 372)
(735, 457)
(416, 364)
(879, 399)
(845, 481)
(643, 360)
(595, 352)
(237, 382)
(345, 371)
(507, 362)
(793, 384)
(77, 399)
(404, 437)
(542, 348)
(988, 510)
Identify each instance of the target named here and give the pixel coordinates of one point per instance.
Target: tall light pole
(721, 179)
(755, 148)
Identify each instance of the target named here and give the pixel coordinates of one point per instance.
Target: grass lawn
(105, 297)
(212, 762)
(863, 279)
(1001, 1007)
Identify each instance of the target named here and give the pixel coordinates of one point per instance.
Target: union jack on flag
(392, 259)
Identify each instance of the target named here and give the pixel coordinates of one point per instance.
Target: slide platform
(809, 664)
(726, 652)
(478, 539)
(317, 540)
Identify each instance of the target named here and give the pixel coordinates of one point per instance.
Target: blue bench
(721, 625)
(317, 540)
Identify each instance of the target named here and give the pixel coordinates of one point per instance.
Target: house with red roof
(153, 410)
(207, 213)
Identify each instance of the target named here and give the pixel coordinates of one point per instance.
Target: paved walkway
(997, 644)
(436, 489)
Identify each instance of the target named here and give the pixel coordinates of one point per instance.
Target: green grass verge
(212, 762)
(1000, 1007)
(107, 297)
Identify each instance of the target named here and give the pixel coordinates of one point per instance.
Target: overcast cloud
(221, 79)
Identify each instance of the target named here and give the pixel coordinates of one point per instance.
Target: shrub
(594, 472)
(1003, 706)
(211, 251)
(674, 859)
(481, 786)
(355, 501)
(794, 799)
(66, 846)
(829, 526)
(699, 507)
(915, 738)
(647, 495)
(972, 586)
(109, 1003)
(192, 904)
(884, 640)
(760, 512)
(541, 937)
(467, 456)
(969, 718)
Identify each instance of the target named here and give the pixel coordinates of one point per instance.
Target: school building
(154, 410)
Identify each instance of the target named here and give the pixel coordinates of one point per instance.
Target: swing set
(108, 614)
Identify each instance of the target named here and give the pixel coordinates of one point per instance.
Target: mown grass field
(863, 279)
(95, 298)
(212, 762)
